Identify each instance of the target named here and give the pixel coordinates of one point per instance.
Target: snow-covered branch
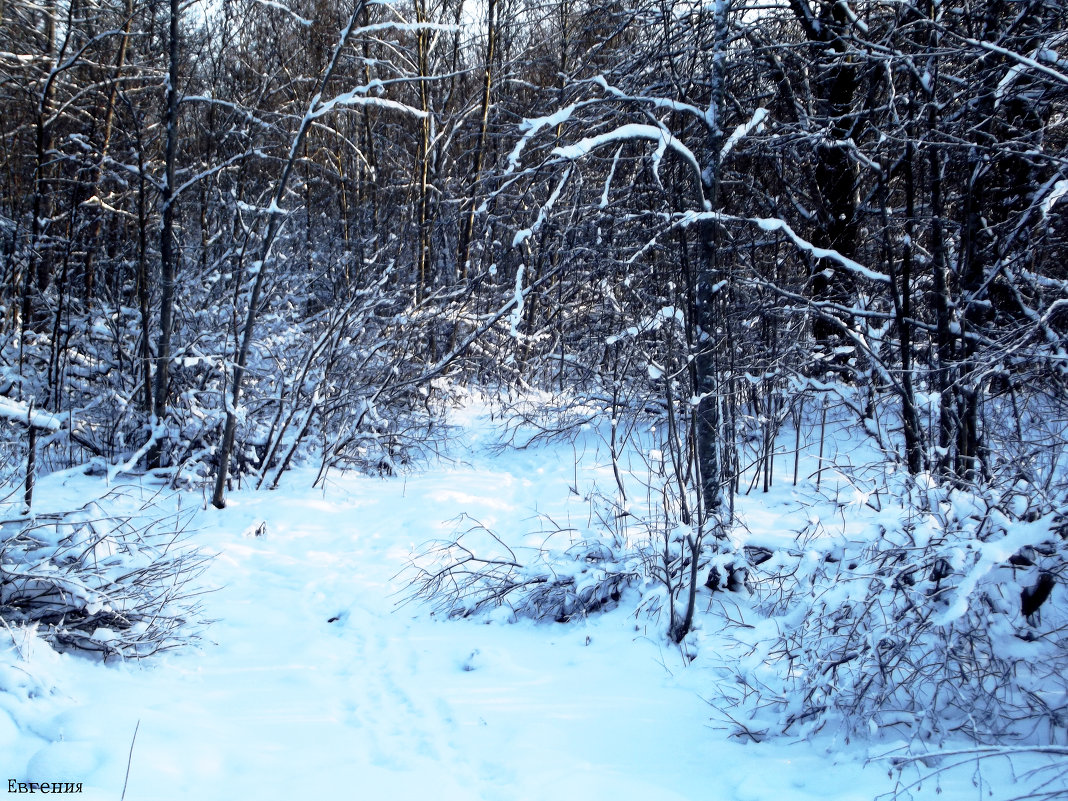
(1019, 58)
(532, 127)
(359, 97)
(663, 138)
(286, 9)
(19, 412)
(771, 224)
(755, 123)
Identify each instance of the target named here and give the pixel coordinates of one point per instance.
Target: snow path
(388, 701)
(315, 684)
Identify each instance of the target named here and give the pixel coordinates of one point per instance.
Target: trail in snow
(315, 684)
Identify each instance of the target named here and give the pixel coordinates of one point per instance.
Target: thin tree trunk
(143, 299)
(706, 298)
(369, 184)
(423, 257)
(39, 269)
(31, 459)
(109, 119)
(913, 428)
(273, 226)
(466, 232)
(168, 246)
(900, 293)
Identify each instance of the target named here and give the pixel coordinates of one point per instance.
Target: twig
(979, 751)
(129, 761)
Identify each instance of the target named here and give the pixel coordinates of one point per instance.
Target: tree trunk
(835, 173)
(168, 246)
(423, 257)
(38, 271)
(901, 295)
(464, 251)
(273, 226)
(89, 277)
(706, 298)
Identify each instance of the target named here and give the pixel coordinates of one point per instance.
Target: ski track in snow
(282, 702)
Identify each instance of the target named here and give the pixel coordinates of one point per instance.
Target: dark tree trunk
(466, 231)
(168, 244)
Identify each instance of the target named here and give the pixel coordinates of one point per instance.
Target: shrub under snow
(105, 584)
(946, 617)
(561, 578)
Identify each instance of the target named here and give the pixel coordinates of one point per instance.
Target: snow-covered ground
(314, 683)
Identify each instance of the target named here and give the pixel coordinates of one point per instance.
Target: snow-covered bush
(946, 616)
(646, 526)
(562, 578)
(104, 584)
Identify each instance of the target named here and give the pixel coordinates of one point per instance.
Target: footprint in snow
(257, 529)
(470, 663)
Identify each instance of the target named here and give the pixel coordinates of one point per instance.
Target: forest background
(241, 235)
